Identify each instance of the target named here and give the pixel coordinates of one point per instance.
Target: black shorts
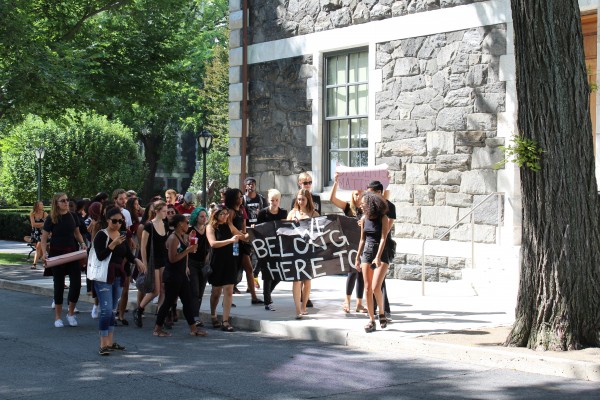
(370, 251)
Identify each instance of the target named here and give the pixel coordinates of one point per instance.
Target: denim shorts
(370, 251)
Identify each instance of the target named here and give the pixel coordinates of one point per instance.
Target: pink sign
(358, 178)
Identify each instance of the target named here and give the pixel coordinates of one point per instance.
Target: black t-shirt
(158, 242)
(316, 200)
(391, 214)
(253, 206)
(63, 232)
(238, 218)
(203, 245)
(265, 215)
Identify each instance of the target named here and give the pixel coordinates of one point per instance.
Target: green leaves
(524, 152)
(86, 153)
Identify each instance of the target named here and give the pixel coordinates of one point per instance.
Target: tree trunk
(558, 306)
(151, 155)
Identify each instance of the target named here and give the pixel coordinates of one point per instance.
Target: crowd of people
(172, 248)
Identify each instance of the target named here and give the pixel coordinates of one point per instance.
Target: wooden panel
(590, 47)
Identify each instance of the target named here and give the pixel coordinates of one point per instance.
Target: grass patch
(11, 258)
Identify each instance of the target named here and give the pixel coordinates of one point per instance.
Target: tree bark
(558, 306)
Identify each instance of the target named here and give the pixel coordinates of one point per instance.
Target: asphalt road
(43, 362)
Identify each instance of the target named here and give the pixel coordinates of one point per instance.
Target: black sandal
(215, 322)
(382, 321)
(370, 327)
(227, 327)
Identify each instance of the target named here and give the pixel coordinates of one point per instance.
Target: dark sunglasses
(63, 200)
(116, 221)
(307, 183)
(171, 213)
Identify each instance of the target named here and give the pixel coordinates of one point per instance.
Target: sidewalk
(450, 322)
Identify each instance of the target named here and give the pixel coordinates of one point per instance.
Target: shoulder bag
(97, 270)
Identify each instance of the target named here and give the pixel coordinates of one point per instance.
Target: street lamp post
(39, 154)
(204, 141)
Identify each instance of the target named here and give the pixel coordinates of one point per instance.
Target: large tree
(559, 294)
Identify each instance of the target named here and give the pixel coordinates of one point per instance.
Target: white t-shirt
(127, 216)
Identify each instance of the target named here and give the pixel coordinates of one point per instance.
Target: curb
(519, 359)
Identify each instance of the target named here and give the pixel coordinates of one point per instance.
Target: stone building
(425, 86)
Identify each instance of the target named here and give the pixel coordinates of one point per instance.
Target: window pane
(358, 159)
(341, 70)
(331, 70)
(334, 135)
(364, 133)
(343, 134)
(362, 99)
(354, 133)
(352, 100)
(336, 102)
(358, 67)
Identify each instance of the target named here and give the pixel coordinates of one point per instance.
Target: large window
(346, 111)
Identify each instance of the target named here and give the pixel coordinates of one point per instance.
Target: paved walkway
(450, 322)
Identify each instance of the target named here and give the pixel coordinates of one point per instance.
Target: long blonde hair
(37, 206)
(54, 211)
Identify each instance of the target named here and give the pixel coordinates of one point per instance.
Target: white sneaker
(75, 310)
(58, 323)
(53, 305)
(72, 320)
(95, 311)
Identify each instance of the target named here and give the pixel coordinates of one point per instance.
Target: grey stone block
(436, 177)
(459, 199)
(430, 261)
(451, 162)
(440, 143)
(444, 216)
(401, 193)
(470, 138)
(481, 122)
(447, 274)
(452, 119)
(489, 102)
(413, 273)
(413, 83)
(477, 75)
(416, 174)
(424, 195)
(483, 233)
(440, 198)
(486, 157)
(414, 231)
(397, 130)
(494, 42)
(487, 213)
(480, 181)
(447, 188)
(456, 263)
(408, 214)
(408, 147)
(459, 98)
(423, 111)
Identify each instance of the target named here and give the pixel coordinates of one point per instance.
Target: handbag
(97, 270)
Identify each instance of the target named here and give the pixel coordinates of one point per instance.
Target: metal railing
(447, 231)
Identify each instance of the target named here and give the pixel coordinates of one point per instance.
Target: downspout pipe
(244, 92)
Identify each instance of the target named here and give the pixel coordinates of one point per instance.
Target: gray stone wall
(280, 19)
(438, 109)
(279, 113)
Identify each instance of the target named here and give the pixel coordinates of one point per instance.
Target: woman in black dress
(373, 262)
(221, 236)
(37, 216)
(64, 228)
(351, 209)
(198, 220)
(154, 236)
(176, 277)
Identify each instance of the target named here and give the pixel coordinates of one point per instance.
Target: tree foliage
(139, 61)
(85, 153)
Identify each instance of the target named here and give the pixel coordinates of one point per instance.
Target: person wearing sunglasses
(112, 242)
(64, 228)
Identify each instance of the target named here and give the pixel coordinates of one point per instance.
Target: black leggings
(59, 272)
(268, 286)
(183, 290)
(351, 280)
(198, 284)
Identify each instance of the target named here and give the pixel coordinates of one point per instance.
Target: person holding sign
(304, 208)
(350, 209)
(374, 261)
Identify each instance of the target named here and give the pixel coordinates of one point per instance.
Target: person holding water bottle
(223, 237)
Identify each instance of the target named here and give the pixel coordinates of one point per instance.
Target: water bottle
(236, 249)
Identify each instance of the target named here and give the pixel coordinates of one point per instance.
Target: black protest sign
(293, 251)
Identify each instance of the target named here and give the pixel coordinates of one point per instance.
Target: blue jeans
(108, 297)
